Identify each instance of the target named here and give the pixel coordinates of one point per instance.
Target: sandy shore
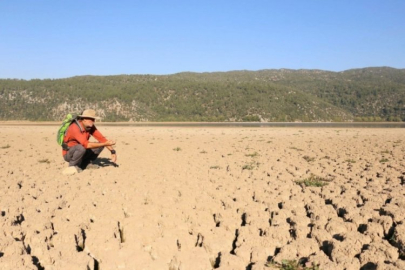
(205, 198)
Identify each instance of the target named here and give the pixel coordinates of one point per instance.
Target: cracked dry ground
(205, 198)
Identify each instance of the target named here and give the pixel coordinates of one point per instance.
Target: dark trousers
(80, 156)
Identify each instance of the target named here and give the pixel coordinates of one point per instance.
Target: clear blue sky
(59, 39)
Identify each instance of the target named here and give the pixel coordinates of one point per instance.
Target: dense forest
(369, 94)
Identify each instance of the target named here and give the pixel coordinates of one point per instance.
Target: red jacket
(74, 136)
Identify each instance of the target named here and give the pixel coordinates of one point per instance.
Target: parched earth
(205, 198)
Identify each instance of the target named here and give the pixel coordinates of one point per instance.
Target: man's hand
(109, 143)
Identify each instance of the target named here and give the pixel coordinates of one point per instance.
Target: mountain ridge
(268, 95)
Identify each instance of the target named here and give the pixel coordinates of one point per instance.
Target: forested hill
(369, 94)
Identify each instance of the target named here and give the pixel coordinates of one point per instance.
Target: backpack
(69, 119)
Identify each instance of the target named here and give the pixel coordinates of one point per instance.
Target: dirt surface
(205, 198)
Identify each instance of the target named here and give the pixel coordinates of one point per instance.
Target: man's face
(88, 123)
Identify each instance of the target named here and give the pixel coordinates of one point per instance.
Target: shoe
(71, 170)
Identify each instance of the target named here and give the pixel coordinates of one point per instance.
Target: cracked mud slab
(205, 198)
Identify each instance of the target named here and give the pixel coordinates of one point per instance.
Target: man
(77, 150)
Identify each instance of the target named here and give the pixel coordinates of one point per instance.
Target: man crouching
(77, 150)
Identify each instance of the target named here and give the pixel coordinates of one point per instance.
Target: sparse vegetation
(177, 149)
(383, 160)
(308, 158)
(350, 161)
(247, 167)
(251, 165)
(6, 146)
(215, 167)
(313, 181)
(291, 265)
(44, 161)
(255, 154)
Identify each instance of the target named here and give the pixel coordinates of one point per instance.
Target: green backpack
(69, 119)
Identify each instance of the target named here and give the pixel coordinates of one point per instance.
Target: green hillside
(369, 94)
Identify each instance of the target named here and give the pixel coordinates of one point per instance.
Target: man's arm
(103, 142)
(108, 144)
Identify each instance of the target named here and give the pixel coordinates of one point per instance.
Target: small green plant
(215, 167)
(6, 146)
(308, 158)
(385, 152)
(203, 152)
(255, 154)
(44, 161)
(383, 160)
(313, 181)
(247, 167)
(177, 149)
